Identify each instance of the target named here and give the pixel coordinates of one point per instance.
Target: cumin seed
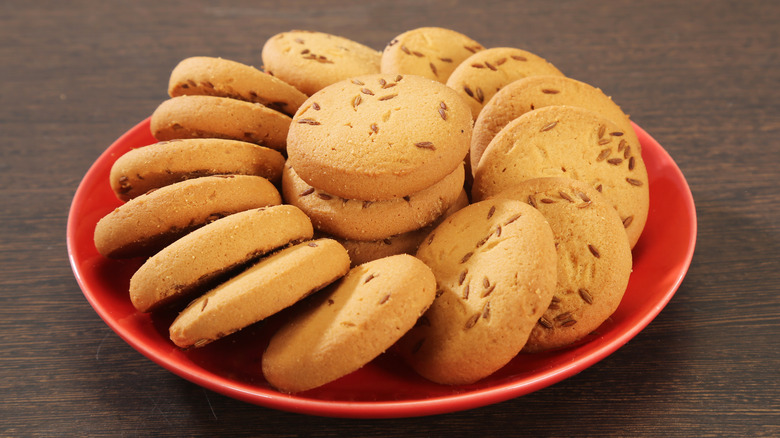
(548, 126)
(594, 251)
(586, 296)
(634, 182)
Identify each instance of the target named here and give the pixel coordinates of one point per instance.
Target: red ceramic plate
(386, 387)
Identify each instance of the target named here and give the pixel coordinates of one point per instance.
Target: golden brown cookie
(366, 220)
(274, 283)
(349, 324)
(571, 142)
(480, 76)
(149, 222)
(431, 52)
(310, 61)
(524, 95)
(192, 263)
(594, 258)
(379, 137)
(495, 269)
(203, 75)
(364, 251)
(161, 164)
(219, 117)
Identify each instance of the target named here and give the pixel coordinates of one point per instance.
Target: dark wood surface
(702, 77)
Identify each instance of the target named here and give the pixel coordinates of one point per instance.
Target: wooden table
(703, 77)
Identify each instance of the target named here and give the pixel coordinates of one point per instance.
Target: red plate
(386, 387)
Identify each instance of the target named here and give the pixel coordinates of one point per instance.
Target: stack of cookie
(375, 157)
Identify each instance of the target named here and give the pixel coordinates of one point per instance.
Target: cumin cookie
(594, 258)
(379, 137)
(495, 269)
(524, 95)
(570, 142)
(364, 251)
(310, 61)
(431, 52)
(149, 222)
(273, 284)
(219, 117)
(349, 324)
(161, 164)
(481, 75)
(192, 263)
(371, 220)
(203, 75)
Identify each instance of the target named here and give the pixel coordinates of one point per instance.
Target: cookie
(571, 142)
(192, 263)
(149, 222)
(594, 258)
(367, 220)
(275, 283)
(431, 52)
(203, 75)
(379, 137)
(482, 74)
(161, 164)
(534, 92)
(495, 269)
(310, 61)
(364, 251)
(219, 117)
(349, 324)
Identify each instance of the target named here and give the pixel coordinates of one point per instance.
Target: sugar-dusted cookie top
(379, 136)
(495, 269)
(310, 61)
(575, 143)
(535, 92)
(594, 258)
(431, 52)
(481, 75)
(203, 75)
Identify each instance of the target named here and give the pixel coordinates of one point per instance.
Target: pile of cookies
(456, 203)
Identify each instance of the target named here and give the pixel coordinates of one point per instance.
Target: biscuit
(149, 222)
(349, 324)
(594, 258)
(534, 92)
(161, 164)
(192, 263)
(310, 61)
(495, 269)
(571, 142)
(364, 251)
(379, 137)
(431, 52)
(481, 75)
(367, 220)
(203, 75)
(275, 283)
(219, 117)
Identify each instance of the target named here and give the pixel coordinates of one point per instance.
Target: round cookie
(310, 61)
(431, 52)
(203, 75)
(149, 222)
(349, 324)
(195, 261)
(480, 76)
(161, 164)
(495, 269)
(594, 258)
(371, 220)
(571, 142)
(379, 137)
(275, 283)
(219, 117)
(524, 95)
(364, 251)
